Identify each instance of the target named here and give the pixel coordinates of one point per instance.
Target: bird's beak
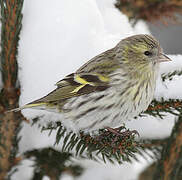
(163, 58)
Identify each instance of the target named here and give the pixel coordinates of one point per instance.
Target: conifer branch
(170, 75)
(52, 163)
(150, 143)
(158, 108)
(169, 166)
(106, 145)
(11, 18)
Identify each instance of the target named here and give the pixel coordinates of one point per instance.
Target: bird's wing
(92, 76)
(75, 85)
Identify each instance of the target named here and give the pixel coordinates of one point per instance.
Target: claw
(135, 132)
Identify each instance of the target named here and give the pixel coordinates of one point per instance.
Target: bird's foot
(118, 134)
(117, 131)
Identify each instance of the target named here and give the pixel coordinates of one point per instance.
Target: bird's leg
(117, 132)
(114, 131)
(107, 133)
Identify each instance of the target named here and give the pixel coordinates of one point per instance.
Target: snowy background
(56, 39)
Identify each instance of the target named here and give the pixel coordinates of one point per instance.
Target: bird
(111, 88)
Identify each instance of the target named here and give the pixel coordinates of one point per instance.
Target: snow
(25, 170)
(170, 89)
(175, 64)
(101, 171)
(56, 39)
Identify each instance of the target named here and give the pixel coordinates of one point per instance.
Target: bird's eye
(147, 53)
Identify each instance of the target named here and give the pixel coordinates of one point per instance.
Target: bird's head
(140, 51)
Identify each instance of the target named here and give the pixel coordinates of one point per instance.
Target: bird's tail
(30, 105)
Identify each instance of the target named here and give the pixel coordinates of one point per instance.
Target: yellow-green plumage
(110, 88)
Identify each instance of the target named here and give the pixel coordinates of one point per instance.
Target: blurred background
(170, 36)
